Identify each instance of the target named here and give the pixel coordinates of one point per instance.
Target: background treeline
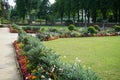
(84, 11)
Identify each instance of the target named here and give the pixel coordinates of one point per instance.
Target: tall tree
(21, 8)
(59, 8)
(44, 9)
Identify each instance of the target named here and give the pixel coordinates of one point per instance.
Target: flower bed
(15, 29)
(71, 32)
(37, 62)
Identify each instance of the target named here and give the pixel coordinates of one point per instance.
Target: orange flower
(33, 77)
(34, 70)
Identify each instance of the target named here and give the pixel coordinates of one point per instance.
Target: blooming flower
(34, 70)
(33, 77)
(49, 79)
(42, 76)
(64, 56)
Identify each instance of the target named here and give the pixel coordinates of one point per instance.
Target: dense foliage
(72, 10)
(40, 63)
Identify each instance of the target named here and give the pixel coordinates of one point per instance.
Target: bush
(97, 27)
(92, 30)
(14, 26)
(75, 34)
(52, 30)
(71, 27)
(116, 28)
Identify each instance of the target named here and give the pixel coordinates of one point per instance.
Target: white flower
(53, 69)
(79, 61)
(89, 67)
(60, 69)
(42, 76)
(84, 66)
(64, 56)
(26, 78)
(76, 58)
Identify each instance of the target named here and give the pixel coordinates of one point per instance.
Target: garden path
(8, 69)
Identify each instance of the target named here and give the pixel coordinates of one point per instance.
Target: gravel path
(8, 69)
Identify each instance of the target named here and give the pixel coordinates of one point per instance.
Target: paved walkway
(8, 69)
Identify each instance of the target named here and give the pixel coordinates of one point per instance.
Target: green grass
(102, 54)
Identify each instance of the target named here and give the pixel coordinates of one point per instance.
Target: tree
(21, 8)
(0, 10)
(44, 9)
(59, 9)
(14, 14)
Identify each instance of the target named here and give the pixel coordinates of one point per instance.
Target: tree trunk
(85, 18)
(78, 17)
(104, 11)
(73, 17)
(94, 16)
(68, 14)
(119, 16)
(82, 15)
(115, 16)
(61, 18)
(46, 21)
(88, 16)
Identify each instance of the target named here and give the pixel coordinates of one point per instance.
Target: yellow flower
(34, 70)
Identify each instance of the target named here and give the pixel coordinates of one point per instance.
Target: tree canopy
(75, 10)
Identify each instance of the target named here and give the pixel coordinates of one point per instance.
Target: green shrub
(71, 27)
(92, 30)
(75, 34)
(52, 30)
(14, 26)
(42, 30)
(116, 28)
(97, 27)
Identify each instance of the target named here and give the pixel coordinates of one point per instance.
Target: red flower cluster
(22, 60)
(11, 29)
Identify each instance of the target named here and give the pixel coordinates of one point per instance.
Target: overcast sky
(11, 2)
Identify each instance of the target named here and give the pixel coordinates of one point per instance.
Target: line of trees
(75, 10)
(95, 9)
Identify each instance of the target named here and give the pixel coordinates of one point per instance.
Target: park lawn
(102, 54)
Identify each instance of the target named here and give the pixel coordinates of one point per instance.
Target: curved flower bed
(37, 62)
(52, 33)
